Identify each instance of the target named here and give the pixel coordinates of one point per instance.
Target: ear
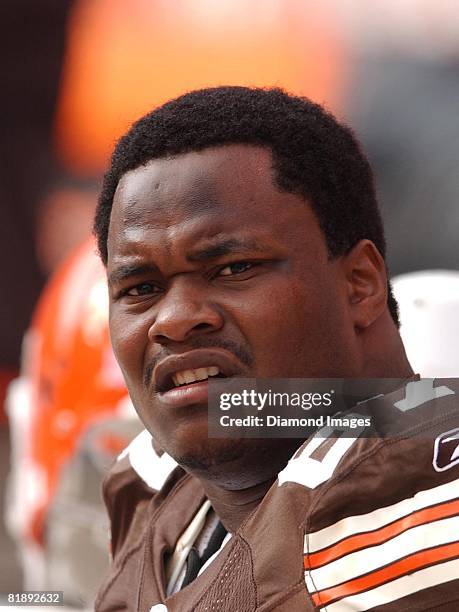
(366, 278)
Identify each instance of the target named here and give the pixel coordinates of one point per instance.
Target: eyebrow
(226, 247)
(208, 253)
(125, 271)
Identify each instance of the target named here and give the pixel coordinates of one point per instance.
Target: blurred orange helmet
(125, 58)
(71, 376)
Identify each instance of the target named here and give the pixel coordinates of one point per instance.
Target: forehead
(199, 195)
(197, 181)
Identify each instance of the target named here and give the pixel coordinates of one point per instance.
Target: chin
(210, 454)
(235, 463)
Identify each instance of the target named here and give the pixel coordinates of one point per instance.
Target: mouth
(183, 379)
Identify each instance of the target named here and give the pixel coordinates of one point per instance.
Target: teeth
(178, 379)
(200, 374)
(190, 376)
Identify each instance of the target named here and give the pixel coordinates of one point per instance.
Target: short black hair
(314, 156)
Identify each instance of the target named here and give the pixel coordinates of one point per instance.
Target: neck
(385, 355)
(233, 507)
(236, 486)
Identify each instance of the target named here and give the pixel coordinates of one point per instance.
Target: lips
(187, 368)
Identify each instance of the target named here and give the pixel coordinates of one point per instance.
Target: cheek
(294, 331)
(129, 339)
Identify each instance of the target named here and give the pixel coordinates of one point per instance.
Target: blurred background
(75, 74)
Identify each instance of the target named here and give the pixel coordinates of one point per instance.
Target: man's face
(214, 271)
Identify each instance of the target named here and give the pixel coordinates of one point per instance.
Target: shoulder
(133, 482)
(382, 512)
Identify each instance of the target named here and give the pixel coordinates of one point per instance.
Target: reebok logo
(446, 450)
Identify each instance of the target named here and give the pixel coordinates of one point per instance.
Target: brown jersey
(352, 523)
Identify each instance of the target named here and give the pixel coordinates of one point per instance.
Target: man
(242, 238)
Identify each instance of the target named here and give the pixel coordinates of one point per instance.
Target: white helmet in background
(429, 316)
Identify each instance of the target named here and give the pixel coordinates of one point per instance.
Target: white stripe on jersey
(352, 525)
(402, 587)
(151, 468)
(369, 559)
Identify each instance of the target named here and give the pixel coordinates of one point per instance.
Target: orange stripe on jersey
(372, 538)
(395, 570)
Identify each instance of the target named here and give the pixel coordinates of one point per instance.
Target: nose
(183, 313)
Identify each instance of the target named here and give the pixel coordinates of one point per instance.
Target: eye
(236, 268)
(142, 289)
